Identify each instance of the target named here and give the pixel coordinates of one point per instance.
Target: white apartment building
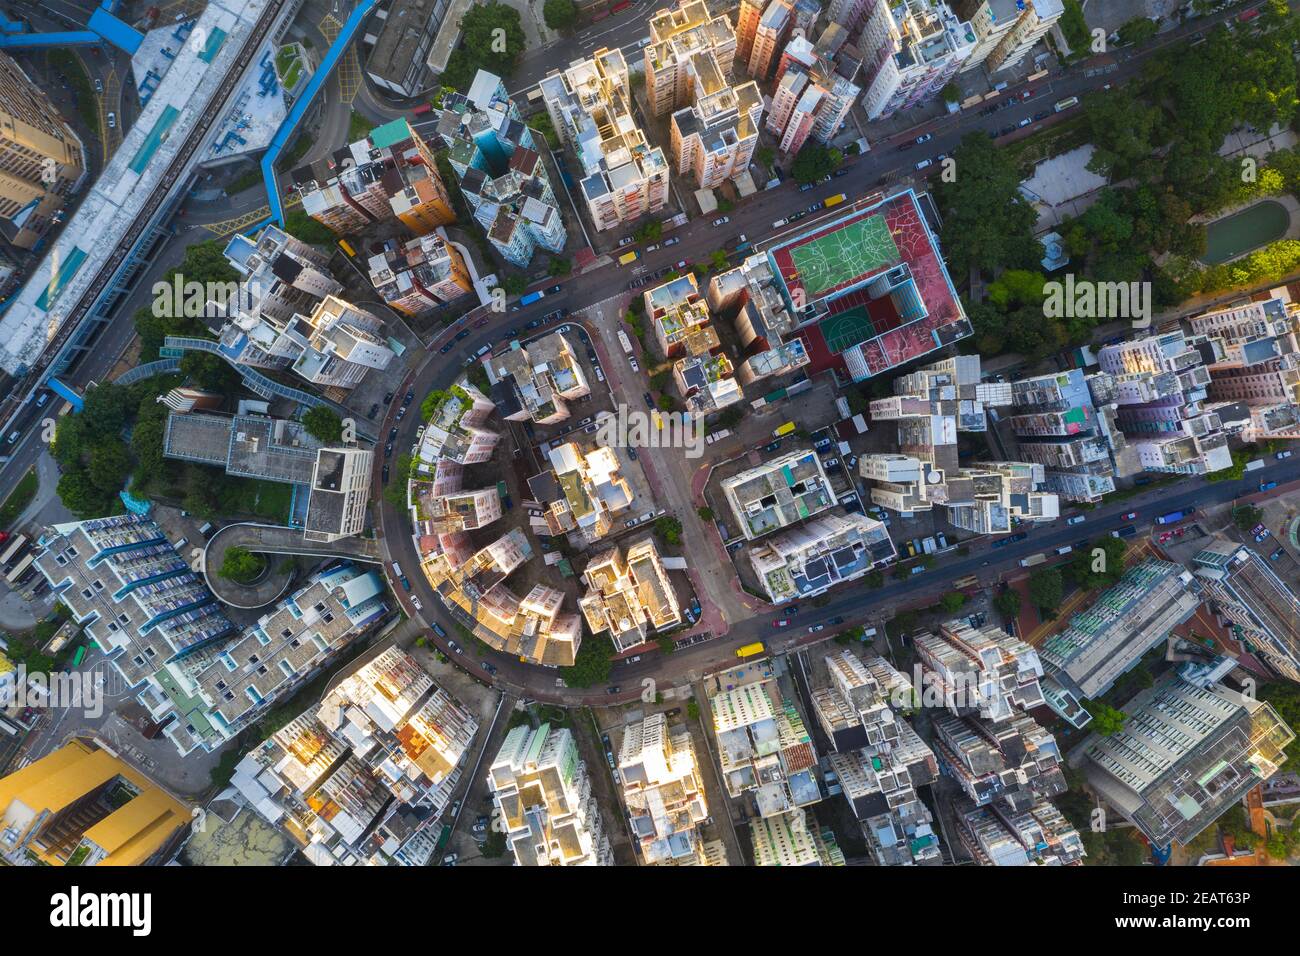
(663, 793)
(629, 596)
(623, 177)
(543, 795)
(536, 383)
(910, 50)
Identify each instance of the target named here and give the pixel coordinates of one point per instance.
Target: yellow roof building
(81, 806)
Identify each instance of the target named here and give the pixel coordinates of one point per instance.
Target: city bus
(749, 650)
(21, 569)
(80, 656)
(347, 249)
(834, 200)
(11, 552)
(1066, 103)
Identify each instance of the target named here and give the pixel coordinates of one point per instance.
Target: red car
(781, 623)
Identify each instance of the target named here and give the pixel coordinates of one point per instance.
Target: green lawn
(18, 501)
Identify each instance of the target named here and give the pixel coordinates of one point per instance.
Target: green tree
(705, 513)
(952, 602)
(559, 266)
(1007, 603)
(1106, 720)
(592, 663)
(1075, 28)
(988, 225)
(241, 565)
(669, 529)
(560, 14)
(514, 284)
(766, 156)
(1099, 565)
(492, 39)
(951, 92)
(210, 372)
(1046, 588)
(302, 226)
(323, 424)
(1247, 516)
(649, 231)
(815, 161)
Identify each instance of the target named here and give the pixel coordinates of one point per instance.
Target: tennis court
(847, 253)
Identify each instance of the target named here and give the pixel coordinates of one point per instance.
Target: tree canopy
(815, 161)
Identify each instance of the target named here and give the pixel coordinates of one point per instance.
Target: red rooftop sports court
(879, 286)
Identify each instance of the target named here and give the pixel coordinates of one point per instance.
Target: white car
(722, 220)
(625, 241)
(924, 163)
(652, 248)
(1283, 454)
(415, 602)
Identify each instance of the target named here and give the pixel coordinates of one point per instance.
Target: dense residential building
(230, 686)
(932, 406)
(781, 360)
(629, 596)
(444, 506)
(790, 840)
(1189, 749)
(1001, 759)
(590, 106)
(200, 679)
(1096, 646)
(770, 34)
(279, 277)
(1260, 607)
(81, 805)
(457, 429)
(1005, 30)
(402, 41)
(334, 345)
(334, 481)
(1160, 385)
(542, 791)
(582, 492)
(765, 752)
(1060, 428)
(536, 383)
(123, 580)
(390, 173)
(812, 97)
(472, 586)
(782, 491)
(677, 314)
(41, 159)
(664, 794)
(677, 37)
(500, 169)
(878, 760)
(714, 125)
(363, 777)
(706, 382)
(1257, 363)
(910, 50)
(418, 276)
(813, 557)
(865, 292)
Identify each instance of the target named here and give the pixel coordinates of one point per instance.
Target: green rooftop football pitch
(855, 250)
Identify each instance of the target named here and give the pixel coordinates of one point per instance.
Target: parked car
(722, 220)
(840, 172)
(1023, 123)
(803, 188)
(923, 138)
(815, 628)
(781, 622)
(1282, 455)
(613, 689)
(672, 242)
(625, 241)
(490, 668)
(555, 289)
(1276, 554)
(924, 164)
(1130, 516)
